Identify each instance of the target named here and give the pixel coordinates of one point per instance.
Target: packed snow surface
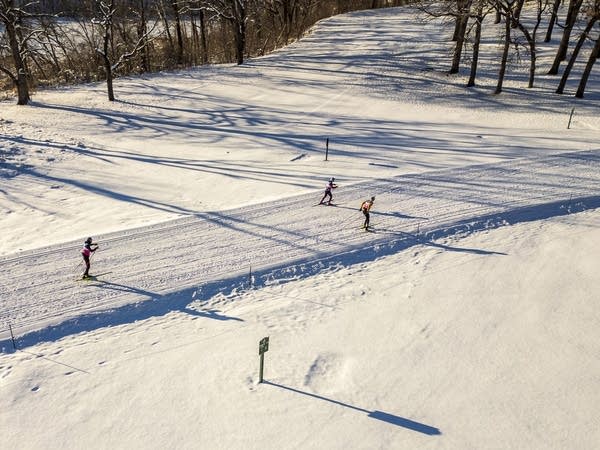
(466, 318)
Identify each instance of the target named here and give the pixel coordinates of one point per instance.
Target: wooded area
(53, 42)
(522, 21)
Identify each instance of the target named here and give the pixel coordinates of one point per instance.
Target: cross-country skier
(366, 208)
(89, 247)
(330, 187)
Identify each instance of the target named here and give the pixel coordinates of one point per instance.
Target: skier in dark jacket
(330, 187)
(89, 247)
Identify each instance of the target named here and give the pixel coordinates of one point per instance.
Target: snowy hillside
(465, 319)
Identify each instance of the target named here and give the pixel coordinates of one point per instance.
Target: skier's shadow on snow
(379, 213)
(397, 215)
(429, 243)
(165, 305)
(211, 314)
(476, 251)
(154, 305)
(379, 415)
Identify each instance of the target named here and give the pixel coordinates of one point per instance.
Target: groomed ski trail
(39, 287)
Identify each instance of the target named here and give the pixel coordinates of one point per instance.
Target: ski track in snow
(192, 258)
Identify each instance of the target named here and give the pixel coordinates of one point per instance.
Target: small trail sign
(263, 347)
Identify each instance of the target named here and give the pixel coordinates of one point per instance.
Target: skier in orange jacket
(366, 208)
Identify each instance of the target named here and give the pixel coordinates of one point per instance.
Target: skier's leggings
(86, 260)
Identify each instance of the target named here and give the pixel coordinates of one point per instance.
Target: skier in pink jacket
(330, 187)
(89, 247)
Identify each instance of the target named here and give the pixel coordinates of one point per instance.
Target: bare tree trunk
(163, 16)
(203, 37)
(504, 59)
(565, 76)
(588, 69)
(475, 58)
(287, 15)
(561, 54)
(142, 29)
(20, 77)
(105, 21)
(239, 26)
(530, 37)
(178, 31)
(517, 12)
(9, 17)
(223, 41)
(457, 26)
(532, 55)
(553, 17)
(106, 61)
(461, 20)
(240, 42)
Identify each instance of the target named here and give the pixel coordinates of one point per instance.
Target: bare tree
(462, 18)
(142, 33)
(458, 11)
(286, 11)
(14, 43)
(593, 18)
(530, 36)
(293, 15)
(112, 56)
(552, 21)
(105, 21)
(175, 6)
(588, 68)
(235, 13)
(506, 7)
(198, 20)
(511, 11)
(561, 54)
(478, 17)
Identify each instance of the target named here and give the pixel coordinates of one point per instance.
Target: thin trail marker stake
(326, 149)
(12, 336)
(570, 117)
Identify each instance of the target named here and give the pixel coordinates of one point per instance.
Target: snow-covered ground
(465, 320)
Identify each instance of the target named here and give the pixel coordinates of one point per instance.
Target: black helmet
(332, 179)
(88, 240)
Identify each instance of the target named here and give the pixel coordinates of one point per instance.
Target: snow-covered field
(467, 318)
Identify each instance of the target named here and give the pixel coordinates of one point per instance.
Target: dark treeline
(53, 42)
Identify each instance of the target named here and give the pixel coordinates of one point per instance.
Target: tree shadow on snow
(156, 305)
(189, 299)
